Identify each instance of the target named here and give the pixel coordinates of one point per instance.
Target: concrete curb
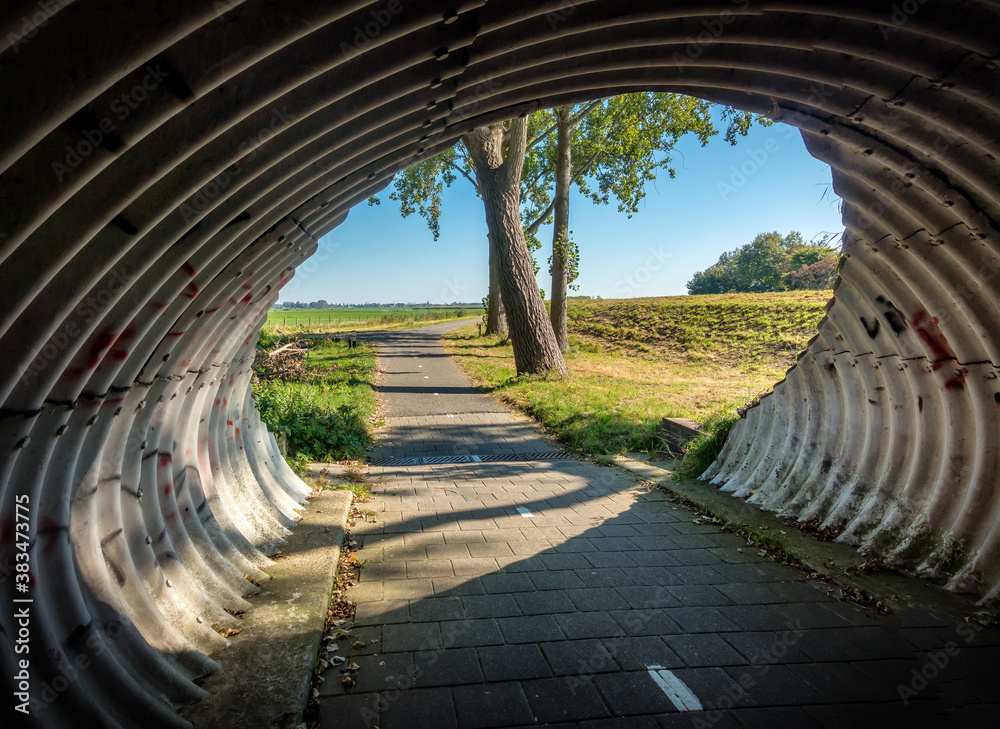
(840, 562)
(267, 668)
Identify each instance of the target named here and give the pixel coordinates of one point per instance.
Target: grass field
(316, 320)
(634, 362)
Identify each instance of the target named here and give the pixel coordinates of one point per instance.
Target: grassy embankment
(326, 408)
(338, 320)
(636, 361)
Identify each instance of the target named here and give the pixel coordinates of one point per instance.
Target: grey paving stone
(424, 708)
(767, 647)
(744, 593)
(492, 705)
(382, 613)
(570, 698)
(451, 667)
(474, 567)
(610, 576)
(507, 583)
(437, 608)
(350, 712)
(841, 683)
(530, 629)
(544, 602)
(513, 662)
(698, 595)
(774, 717)
(565, 561)
(578, 657)
(457, 586)
(411, 637)
(701, 619)
(649, 596)
(704, 650)
(597, 598)
(555, 580)
(631, 693)
(588, 625)
(645, 622)
(714, 688)
(611, 559)
(755, 617)
(490, 606)
(639, 653)
(464, 633)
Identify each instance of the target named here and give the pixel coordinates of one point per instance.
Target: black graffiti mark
(873, 328)
(893, 315)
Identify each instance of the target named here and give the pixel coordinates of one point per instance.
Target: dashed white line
(676, 690)
(525, 513)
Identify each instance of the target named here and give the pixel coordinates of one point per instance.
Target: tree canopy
(770, 262)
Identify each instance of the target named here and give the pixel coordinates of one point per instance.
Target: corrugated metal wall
(165, 169)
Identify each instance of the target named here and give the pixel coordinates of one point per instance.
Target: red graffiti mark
(157, 304)
(191, 290)
(229, 422)
(926, 327)
(165, 459)
(120, 350)
(49, 531)
(176, 334)
(167, 489)
(232, 301)
(216, 402)
(247, 299)
(223, 402)
(237, 431)
(247, 286)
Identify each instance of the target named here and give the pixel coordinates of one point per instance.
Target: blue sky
(683, 227)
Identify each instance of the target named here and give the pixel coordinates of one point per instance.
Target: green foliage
(324, 416)
(764, 264)
(701, 452)
(619, 144)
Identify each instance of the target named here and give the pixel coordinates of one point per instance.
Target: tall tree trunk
(496, 317)
(560, 231)
(499, 177)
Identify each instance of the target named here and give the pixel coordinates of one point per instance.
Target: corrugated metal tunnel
(166, 167)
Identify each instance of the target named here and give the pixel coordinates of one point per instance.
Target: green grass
(325, 416)
(318, 320)
(634, 362)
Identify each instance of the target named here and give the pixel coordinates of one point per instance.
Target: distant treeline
(771, 263)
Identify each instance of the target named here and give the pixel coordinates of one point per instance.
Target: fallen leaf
(358, 644)
(348, 681)
(229, 632)
(337, 660)
(341, 633)
(352, 667)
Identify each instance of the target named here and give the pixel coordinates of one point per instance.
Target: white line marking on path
(427, 377)
(525, 513)
(676, 690)
(475, 459)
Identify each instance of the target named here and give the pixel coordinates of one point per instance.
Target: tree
(768, 263)
(497, 156)
(618, 143)
(609, 148)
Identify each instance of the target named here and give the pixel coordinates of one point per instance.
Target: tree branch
(584, 113)
(530, 230)
(464, 174)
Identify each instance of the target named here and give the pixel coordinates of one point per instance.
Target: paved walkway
(559, 593)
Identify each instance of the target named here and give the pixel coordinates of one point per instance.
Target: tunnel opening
(160, 186)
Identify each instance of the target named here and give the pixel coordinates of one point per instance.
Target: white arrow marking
(525, 513)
